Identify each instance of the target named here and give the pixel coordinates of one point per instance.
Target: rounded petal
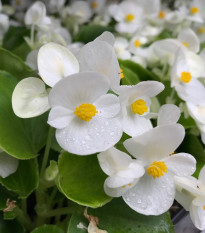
(197, 215)
(202, 175)
(116, 181)
(181, 164)
(168, 114)
(107, 105)
(197, 112)
(107, 37)
(85, 87)
(157, 143)
(30, 98)
(151, 196)
(135, 170)
(85, 138)
(8, 164)
(60, 117)
(113, 160)
(56, 62)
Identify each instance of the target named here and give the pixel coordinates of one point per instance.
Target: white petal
(60, 117)
(202, 175)
(116, 181)
(168, 114)
(197, 214)
(99, 56)
(157, 143)
(107, 37)
(78, 88)
(30, 98)
(184, 199)
(181, 164)
(197, 112)
(56, 62)
(107, 105)
(85, 138)
(8, 164)
(113, 160)
(135, 170)
(151, 196)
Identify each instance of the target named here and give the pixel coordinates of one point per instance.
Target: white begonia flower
(191, 195)
(81, 11)
(36, 14)
(135, 103)
(56, 62)
(199, 29)
(189, 39)
(100, 56)
(84, 115)
(196, 11)
(121, 48)
(154, 193)
(8, 164)
(187, 67)
(31, 59)
(97, 5)
(4, 25)
(55, 5)
(75, 47)
(30, 98)
(136, 44)
(128, 15)
(106, 37)
(123, 171)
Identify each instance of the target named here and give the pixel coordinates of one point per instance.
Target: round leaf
(48, 228)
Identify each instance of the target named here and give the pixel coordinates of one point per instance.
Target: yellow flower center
(201, 30)
(137, 43)
(185, 44)
(161, 15)
(139, 107)
(185, 77)
(94, 5)
(85, 112)
(121, 74)
(194, 10)
(204, 207)
(129, 17)
(156, 169)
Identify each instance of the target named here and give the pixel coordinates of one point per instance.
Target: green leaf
(138, 70)
(21, 138)
(74, 221)
(15, 37)
(48, 229)
(193, 146)
(24, 180)
(130, 78)
(22, 50)
(14, 65)
(10, 226)
(81, 179)
(90, 32)
(117, 217)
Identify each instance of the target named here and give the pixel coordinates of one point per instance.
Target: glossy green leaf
(90, 32)
(130, 78)
(14, 65)
(48, 229)
(21, 138)
(141, 72)
(193, 146)
(117, 217)
(25, 180)
(74, 222)
(81, 180)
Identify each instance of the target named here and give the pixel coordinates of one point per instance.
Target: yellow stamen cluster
(204, 207)
(85, 112)
(124, 186)
(201, 30)
(161, 15)
(185, 77)
(121, 74)
(139, 107)
(129, 17)
(185, 44)
(137, 43)
(172, 153)
(194, 10)
(94, 5)
(156, 169)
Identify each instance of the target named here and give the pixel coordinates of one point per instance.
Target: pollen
(194, 10)
(137, 43)
(161, 15)
(139, 107)
(129, 17)
(185, 44)
(201, 30)
(185, 77)
(204, 207)
(94, 5)
(85, 112)
(121, 74)
(157, 169)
